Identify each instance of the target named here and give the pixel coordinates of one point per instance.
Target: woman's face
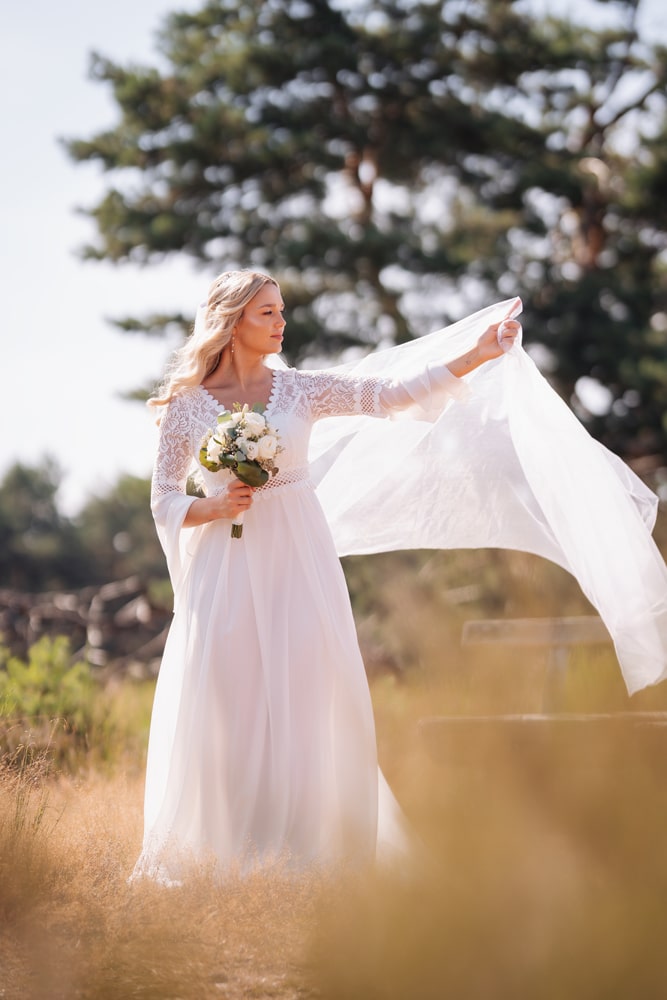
(260, 329)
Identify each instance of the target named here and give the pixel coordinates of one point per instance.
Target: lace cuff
(334, 394)
(430, 389)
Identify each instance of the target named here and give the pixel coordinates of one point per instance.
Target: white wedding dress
(262, 744)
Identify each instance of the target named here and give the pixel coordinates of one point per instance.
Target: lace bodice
(297, 400)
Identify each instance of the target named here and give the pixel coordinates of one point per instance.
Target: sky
(64, 367)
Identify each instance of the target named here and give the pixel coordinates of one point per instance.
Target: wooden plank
(572, 631)
(577, 739)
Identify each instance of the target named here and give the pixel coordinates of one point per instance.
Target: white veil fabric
(510, 466)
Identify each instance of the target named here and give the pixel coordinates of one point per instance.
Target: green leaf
(203, 458)
(251, 474)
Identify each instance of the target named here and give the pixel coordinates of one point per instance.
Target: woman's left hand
(500, 337)
(494, 342)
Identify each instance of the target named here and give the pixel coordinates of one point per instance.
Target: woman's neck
(239, 370)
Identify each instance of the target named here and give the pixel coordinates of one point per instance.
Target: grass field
(540, 873)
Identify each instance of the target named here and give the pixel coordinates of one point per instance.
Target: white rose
(254, 422)
(268, 445)
(213, 450)
(251, 448)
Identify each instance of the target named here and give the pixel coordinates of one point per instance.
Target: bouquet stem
(237, 530)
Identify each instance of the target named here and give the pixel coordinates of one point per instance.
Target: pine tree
(396, 163)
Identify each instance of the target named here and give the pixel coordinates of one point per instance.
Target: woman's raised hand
(495, 340)
(500, 337)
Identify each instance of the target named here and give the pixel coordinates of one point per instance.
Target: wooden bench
(557, 635)
(475, 739)
(581, 740)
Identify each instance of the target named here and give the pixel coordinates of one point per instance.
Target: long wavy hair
(227, 297)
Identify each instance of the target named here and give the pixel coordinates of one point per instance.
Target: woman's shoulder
(188, 397)
(189, 404)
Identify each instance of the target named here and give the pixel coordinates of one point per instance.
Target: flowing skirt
(262, 742)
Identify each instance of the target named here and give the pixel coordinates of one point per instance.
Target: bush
(56, 708)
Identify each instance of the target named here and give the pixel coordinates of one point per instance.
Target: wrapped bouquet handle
(253, 475)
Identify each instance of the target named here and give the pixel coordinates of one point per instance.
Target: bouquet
(245, 443)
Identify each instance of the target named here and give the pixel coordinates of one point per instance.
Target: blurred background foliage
(397, 163)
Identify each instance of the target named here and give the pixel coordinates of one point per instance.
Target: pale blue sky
(62, 365)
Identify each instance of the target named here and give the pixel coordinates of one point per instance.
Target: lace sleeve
(181, 428)
(334, 394)
(175, 450)
(429, 390)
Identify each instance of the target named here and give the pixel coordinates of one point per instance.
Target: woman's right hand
(234, 500)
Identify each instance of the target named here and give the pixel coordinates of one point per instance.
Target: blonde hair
(227, 297)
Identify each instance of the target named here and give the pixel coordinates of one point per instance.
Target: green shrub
(56, 708)
(49, 684)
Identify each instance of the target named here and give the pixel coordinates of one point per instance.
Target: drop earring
(232, 347)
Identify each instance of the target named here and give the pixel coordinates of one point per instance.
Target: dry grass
(71, 926)
(543, 874)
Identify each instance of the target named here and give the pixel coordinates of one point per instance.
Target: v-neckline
(224, 406)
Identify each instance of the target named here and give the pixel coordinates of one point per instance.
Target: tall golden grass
(541, 871)
(71, 925)
(543, 875)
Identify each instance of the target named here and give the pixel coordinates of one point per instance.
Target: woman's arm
(440, 382)
(170, 503)
(332, 394)
(236, 498)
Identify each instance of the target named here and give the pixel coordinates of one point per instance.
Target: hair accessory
(199, 329)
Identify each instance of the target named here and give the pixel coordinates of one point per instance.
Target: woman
(262, 743)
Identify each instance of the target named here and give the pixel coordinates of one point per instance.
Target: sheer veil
(510, 466)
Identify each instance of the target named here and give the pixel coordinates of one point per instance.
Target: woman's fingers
(240, 495)
(244, 497)
(515, 309)
(238, 489)
(500, 337)
(508, 331)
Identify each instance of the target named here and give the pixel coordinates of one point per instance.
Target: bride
(262, 744)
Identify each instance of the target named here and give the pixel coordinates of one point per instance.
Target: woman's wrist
(201, 511)
(466, 363)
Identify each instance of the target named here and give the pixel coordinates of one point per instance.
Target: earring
(232, 346)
